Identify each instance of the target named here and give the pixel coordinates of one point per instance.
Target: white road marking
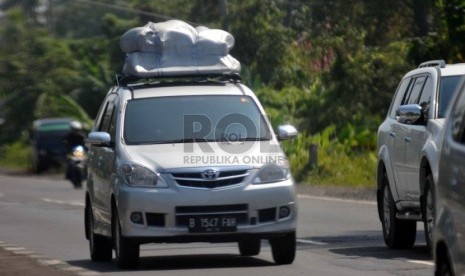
(88, 273)
(311, 242)
(72, 203)
(51, 262)
(44, 260)
(421, 262)
(338, 199)
(14, 248)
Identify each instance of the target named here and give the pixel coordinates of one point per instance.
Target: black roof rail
(433, 63)
(233, 77)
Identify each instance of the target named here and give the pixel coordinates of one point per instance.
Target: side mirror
(409, 114)
(99, 139)
(286, 132)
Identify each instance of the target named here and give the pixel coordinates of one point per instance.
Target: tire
(77, 183)
(443, 266)
(249, 247)
(398, 234)
(428, 211)
(126, 251)
(283, 249)
(100, 247)
(443, 270)
(38, 165)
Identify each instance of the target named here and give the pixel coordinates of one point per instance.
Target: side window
(414, 94)
(112, 127)
(400, 95)
(108, 122)
(425, 97)
(458, 119)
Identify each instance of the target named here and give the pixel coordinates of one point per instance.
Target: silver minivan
(187, 161)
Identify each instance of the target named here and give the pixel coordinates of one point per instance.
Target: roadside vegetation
(328, 67)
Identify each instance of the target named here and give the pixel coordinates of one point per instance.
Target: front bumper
(263, 210)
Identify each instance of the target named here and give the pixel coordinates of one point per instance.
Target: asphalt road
(41, 229)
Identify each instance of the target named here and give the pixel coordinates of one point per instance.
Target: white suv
(187, 159)
(408, 151)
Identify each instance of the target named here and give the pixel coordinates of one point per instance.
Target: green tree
(32, 64)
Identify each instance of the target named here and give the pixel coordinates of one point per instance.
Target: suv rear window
(193, 118)
(448, 86)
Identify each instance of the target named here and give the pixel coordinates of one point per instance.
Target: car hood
(166, 157)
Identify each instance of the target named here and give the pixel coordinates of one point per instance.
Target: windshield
(448, 86)
(205, 118)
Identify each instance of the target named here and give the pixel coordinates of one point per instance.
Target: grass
(16, 155)
(337, 163)
(339, 169)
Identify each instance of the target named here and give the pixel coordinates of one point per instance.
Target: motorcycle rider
(74, 138)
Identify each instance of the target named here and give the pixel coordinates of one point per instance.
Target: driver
(74, 138)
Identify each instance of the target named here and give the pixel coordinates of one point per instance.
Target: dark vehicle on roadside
(449, 234)
(46, 137)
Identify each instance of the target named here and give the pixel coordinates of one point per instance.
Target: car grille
(237, 211)
(195, 179)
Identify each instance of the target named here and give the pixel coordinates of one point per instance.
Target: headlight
(78, 152)
(139, 176)
(272, 172)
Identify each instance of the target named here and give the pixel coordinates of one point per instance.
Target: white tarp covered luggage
(174, 48)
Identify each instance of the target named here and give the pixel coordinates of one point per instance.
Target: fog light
(136, 217)
(284, 211)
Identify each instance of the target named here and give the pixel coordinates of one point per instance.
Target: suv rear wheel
(397, 233)
(428, 210)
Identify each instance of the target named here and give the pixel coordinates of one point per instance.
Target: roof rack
(129, 79)
(433, 63)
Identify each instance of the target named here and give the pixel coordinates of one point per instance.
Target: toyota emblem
(210, 174)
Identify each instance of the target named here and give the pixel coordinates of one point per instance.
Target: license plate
(212, 224)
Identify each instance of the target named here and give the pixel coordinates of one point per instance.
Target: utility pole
(50, 17)
(224, 14)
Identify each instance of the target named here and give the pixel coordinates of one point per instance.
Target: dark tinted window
(448, 86)
(425, 97)
(106, 120)
(458, 119)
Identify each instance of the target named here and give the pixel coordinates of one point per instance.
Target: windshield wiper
(203, 140)
(184, 140)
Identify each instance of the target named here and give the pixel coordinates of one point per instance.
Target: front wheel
(249, 247)
(398, 234)
(100, 247)
(126, 251)
(283, 249)
(428, 211)
(443, 266)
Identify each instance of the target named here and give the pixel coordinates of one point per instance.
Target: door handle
(407, 139)
(392, 134)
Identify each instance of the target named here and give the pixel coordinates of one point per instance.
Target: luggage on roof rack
(175, 48)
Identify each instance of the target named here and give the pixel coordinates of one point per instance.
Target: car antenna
(117, 79)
